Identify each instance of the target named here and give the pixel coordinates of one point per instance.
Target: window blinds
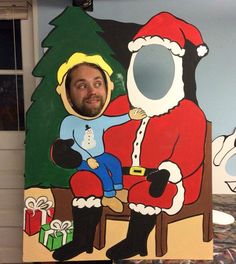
(14, 9)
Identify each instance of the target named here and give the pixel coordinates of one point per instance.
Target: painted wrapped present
(37, 212)
(56, 234)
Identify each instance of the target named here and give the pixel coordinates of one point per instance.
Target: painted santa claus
(162, 155)
(164, 152)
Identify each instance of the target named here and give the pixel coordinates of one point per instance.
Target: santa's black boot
(135, 243)
(85, 221)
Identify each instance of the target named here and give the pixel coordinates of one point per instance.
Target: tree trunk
(63, 202)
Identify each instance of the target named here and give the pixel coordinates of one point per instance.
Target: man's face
(88, 92)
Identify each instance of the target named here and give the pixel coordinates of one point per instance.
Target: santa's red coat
(174, 140)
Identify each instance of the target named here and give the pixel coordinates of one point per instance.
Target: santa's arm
(65, 151)
(63, 155)
(134, 114)
(188, 152)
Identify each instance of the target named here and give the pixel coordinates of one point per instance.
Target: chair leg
(207, 226)
(161, 236)
(100, 235)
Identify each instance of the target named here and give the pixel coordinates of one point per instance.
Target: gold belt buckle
(137, 171)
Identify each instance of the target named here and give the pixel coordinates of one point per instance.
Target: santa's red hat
(171, 32)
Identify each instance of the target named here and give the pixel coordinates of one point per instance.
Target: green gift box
(56, 234)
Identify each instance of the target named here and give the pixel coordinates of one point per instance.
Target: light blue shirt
(88, 134)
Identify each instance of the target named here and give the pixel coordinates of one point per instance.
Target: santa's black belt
(137, 171)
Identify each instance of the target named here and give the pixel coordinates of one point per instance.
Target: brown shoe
(113, 203)
(122, 195)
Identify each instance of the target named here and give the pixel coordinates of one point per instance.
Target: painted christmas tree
(74, 31)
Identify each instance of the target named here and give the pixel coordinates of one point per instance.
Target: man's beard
(85, 110)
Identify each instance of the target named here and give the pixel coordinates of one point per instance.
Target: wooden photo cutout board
(118, 166)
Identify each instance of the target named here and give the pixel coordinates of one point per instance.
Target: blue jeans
(109, 172)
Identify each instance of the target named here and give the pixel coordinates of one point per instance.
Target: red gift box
(37, 212)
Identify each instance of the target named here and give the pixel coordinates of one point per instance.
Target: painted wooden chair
(203, 206)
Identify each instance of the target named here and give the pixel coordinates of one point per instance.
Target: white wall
(11, 204)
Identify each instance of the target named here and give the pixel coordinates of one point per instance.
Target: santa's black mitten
(63, 155)
(159, 180)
